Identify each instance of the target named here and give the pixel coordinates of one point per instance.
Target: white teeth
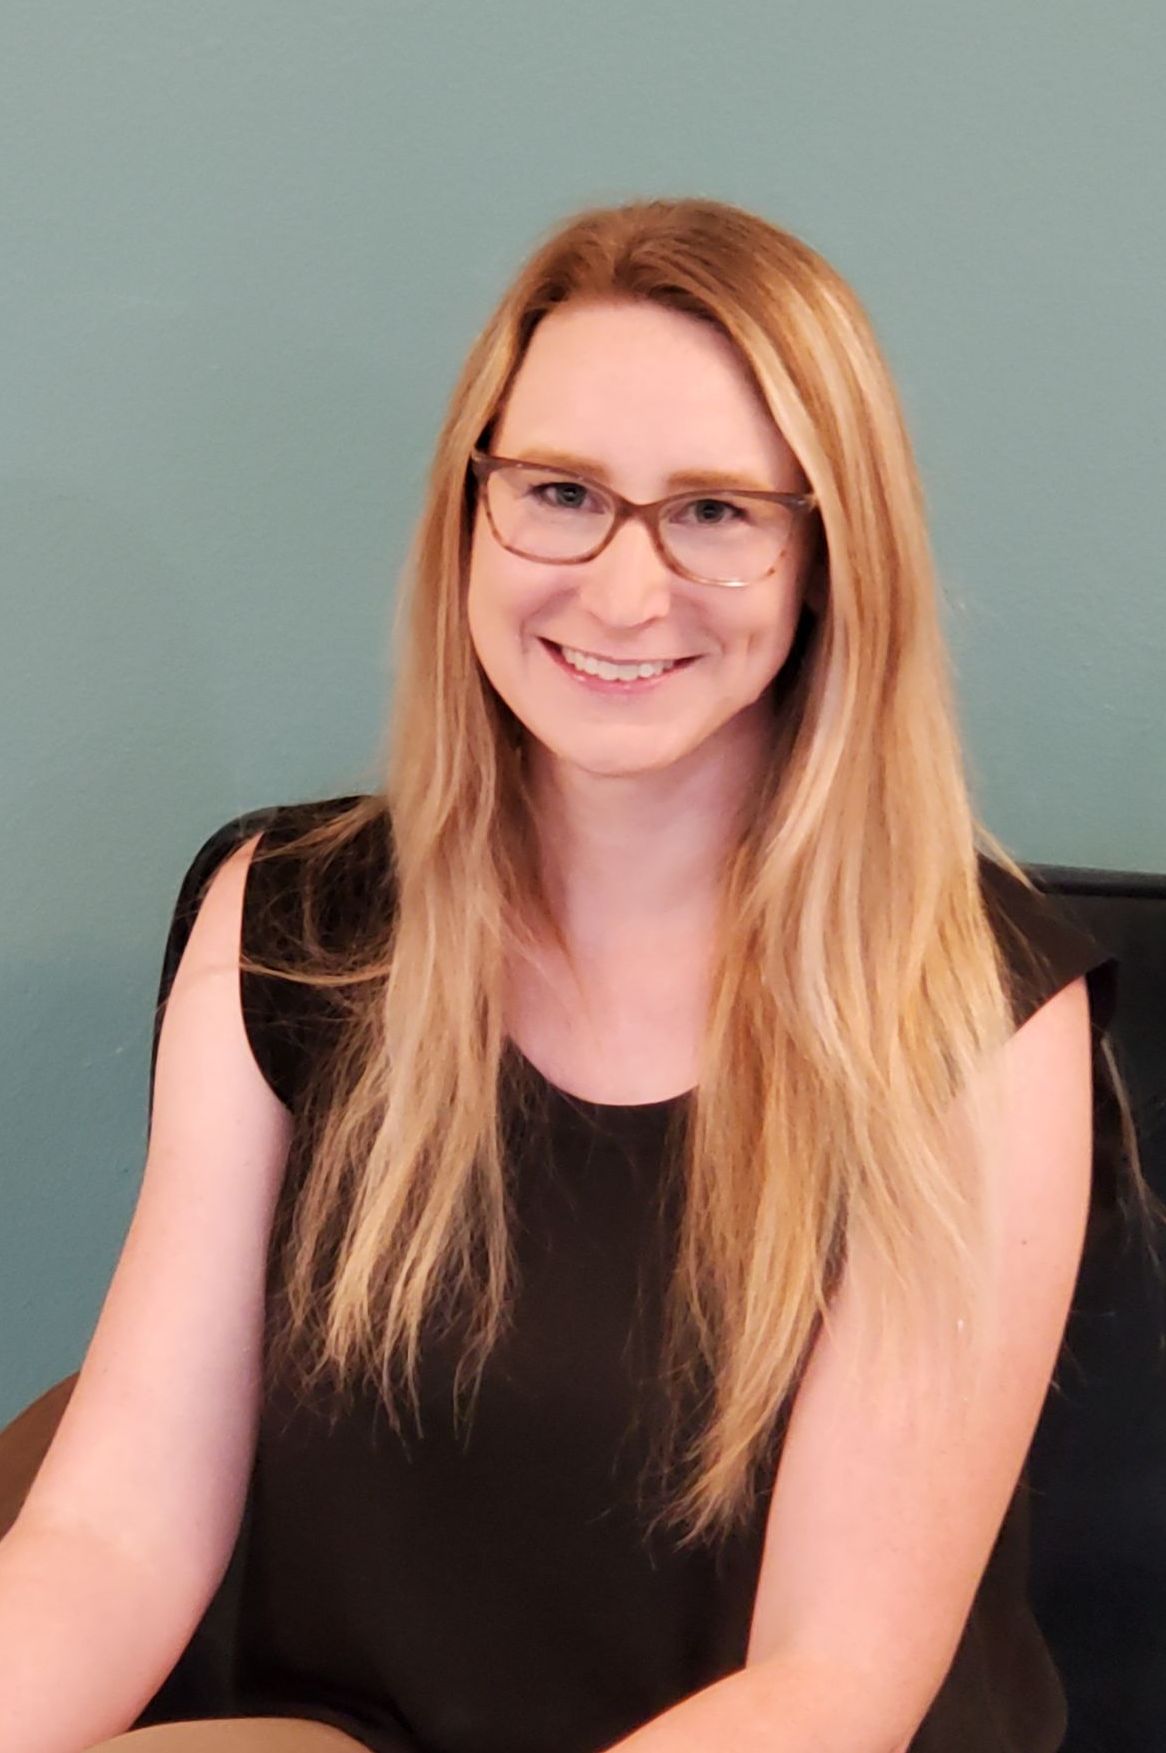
(613, 672)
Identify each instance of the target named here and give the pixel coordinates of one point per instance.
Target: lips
(606, 657)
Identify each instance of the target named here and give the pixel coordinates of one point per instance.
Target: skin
(637, 795)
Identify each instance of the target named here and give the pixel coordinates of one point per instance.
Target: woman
(661, 1133)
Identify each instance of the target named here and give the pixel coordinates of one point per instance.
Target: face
(643, 392)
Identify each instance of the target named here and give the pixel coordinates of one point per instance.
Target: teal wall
(245, 244)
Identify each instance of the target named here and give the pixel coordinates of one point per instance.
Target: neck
(632, 858)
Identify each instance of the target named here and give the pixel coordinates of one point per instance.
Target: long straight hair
(858, 985)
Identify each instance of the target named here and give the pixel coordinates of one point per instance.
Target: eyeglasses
(728, 538)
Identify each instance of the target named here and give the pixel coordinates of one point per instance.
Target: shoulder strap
(1044, 948)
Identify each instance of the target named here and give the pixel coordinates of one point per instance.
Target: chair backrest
(1097, 1471)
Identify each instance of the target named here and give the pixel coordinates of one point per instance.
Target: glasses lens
(727, 539)
(545, 515)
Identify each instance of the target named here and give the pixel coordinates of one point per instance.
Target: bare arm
(130, 1522)
(87, 1635)
(886, 1505)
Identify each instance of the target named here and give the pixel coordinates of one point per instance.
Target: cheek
(487, 598)
(479, 591)
(502, 603)
(500, 612)
(766, 642)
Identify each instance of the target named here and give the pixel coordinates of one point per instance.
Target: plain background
(245, 245)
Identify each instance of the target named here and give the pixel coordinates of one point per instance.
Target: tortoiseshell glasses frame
(649, 512)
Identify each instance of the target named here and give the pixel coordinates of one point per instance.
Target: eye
(547, 494)
(713, 512)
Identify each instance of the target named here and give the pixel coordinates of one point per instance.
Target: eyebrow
(727, 479)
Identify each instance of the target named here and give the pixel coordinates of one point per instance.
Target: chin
(613, 761)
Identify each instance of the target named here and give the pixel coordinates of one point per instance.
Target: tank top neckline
(612, 1113)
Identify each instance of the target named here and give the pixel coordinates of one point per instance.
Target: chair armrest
(24, 1444)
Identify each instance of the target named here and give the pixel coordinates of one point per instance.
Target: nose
(629, 583)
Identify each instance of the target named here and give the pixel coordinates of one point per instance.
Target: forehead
(646, 388)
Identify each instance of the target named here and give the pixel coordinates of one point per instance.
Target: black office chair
(1097, 1470)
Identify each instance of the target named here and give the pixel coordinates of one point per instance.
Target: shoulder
(299, 888)
(1043, 947)
(331, 856)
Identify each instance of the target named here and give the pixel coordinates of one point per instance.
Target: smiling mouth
(602, 658)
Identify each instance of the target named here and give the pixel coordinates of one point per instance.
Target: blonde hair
(858, 982)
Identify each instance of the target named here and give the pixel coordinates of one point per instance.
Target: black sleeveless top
(494, 1590)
